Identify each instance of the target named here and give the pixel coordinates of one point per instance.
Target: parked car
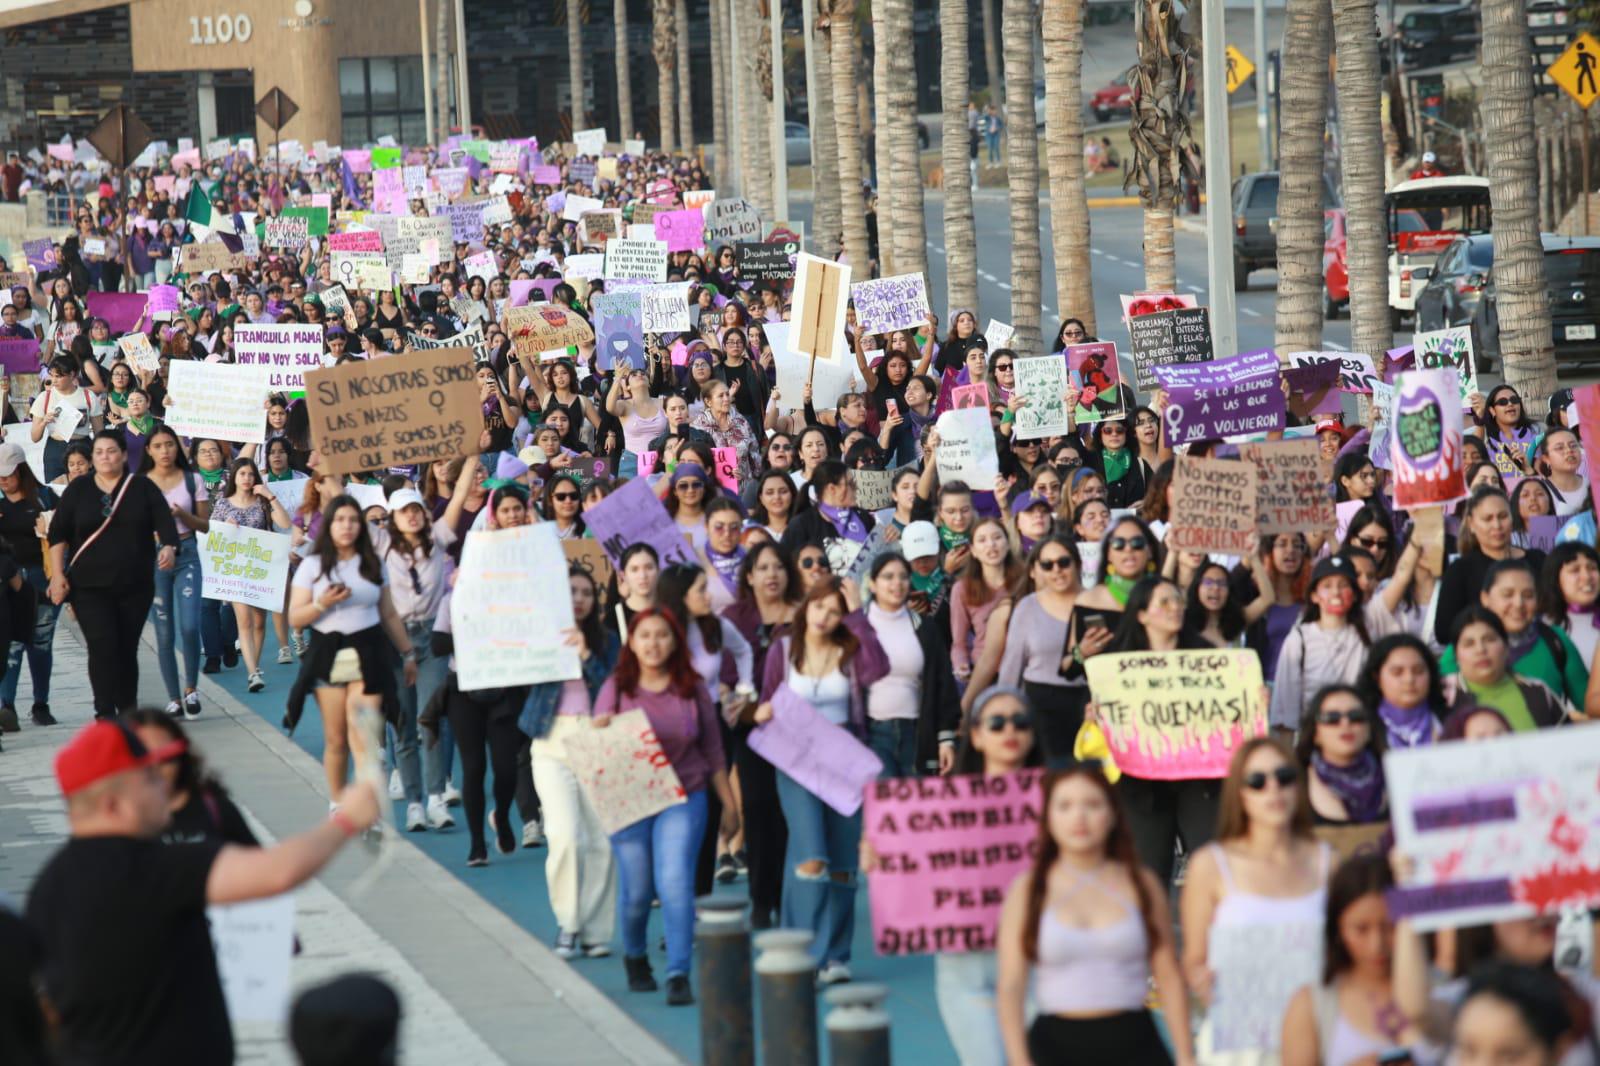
(1455, 287)
(797, 142)
(1255, 223)
(1335, 279)
(1431, 38)
(1449, 206)
(1572, 272)
(1112, 99)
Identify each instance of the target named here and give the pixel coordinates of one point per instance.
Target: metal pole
(463, 96)
(788, 998)
(780, 145)
(427, 77)
(858, 1026)
(1219, 209)
(1586, 175)
(1263, 129)
(736, 131)
(722, 955)
(808, 16)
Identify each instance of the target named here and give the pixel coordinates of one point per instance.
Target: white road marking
(1005, 286)
(1252, 312)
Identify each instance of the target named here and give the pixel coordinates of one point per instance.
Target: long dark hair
(1131, 634)
(423, 538)
(594, 634)
(758, 508)
(1373, 515)
(1553, 605)
(672, 592)
(791, 589)
(327, 552)
(1119, 849)
(1348, 465)
(1356, 878)
(1306, 740)
(974, 589)
(1230, 619)
(228, 482)
(846, 640)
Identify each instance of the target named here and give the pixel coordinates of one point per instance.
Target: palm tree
(1017, 18)
(757, 148)
(680, 18)
(1527, 345)
(955, 89)
(839, 24)
(1366, 230)
(719, 93)
(883, 51)
(580, 113)
(443, 83)
(1062, 24)
(664, 46)
(991, 53)
(619, 17)
(824, 145)
(1303, 103)
(1160, 133)
(897, 127)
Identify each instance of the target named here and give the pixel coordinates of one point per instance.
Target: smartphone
(1396, 1057)
(1093, 621)
(894, 408)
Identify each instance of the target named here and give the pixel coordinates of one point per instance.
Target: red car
(1335, 281)
(1113, 99)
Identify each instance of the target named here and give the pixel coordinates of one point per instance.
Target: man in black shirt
(128, 962)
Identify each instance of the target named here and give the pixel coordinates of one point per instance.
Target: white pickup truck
(1450, 207)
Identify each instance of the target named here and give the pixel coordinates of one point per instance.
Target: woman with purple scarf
(1401, 682)
(1342, 753)
(833, 514)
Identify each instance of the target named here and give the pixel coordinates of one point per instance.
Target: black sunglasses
(1002, 366)
(687, 484)
(564, 497)
(1355, 717)
(810, 562)
(416, 581)
(1507, 401)
(1049, 565)
(996, 723)
(1133, 544)
(1285, 776)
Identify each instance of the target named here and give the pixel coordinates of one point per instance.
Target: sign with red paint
(1497, 829)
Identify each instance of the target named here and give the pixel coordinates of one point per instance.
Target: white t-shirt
(88, 403)
(353, 615)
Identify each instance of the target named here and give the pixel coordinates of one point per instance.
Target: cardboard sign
(874, 489)
(544, 327)
(601, 226)
(1291, 488)
(12, 279)
(1214, 506)
(1452, 348)
(644, 260)
(1237, 396)
(887, 304)
(1425, 445)
(590, 142)
(1043, 380)
(242, 565)
(633, 515)
(288, 349)
(623, 770)
(507, 611)
(948, 850)
(406, 410)
(665, 307)
(759, 261)
(824, 759)
(221, 400)
(999, 335)
(1096, 375)
(588, 556)
(209, 257)
(817, 309)
(1178, 715)
(967, 449)
(138, 350)
(731, 220)
(1499, 829)
(1167, 338)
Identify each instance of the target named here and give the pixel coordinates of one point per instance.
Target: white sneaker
(834, 973)
(396, 789)
(299, 644)
(256, 682)
(415, 820)
(532, 834)
(285, 656)
(452, 794)
(174, 709)
(439, 814)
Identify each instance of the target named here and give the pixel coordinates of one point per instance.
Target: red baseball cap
(1330, 425)
(103, 748)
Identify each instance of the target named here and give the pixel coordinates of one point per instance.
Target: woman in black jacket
(913, 713)
(832, 514)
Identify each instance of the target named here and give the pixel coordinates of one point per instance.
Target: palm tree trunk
(991, 53)
(664, 46)
(1062, 25)
(719, 94)
(580, 113)
(1018, 18)
(1361, 159)
(443, 83)
(1304, 109)
(882, 143)
(1160, 133)
(680, 18)
(955, 88)
(758, 124)
(824, 145)
(905, 164)
(841, 29)
(619, 16)
(1522, 292)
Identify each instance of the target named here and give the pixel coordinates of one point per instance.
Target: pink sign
(355, 242)
(545, 175)
(166, 183)
(163, 299)
(727, 460)
(121, 310)
(970, 396)
(389, 190)
(191, 158)
(684, 231)
(824, 759)
(948, 848)
(359, 160)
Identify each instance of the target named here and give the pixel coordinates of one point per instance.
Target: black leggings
(1111, 1041)
(479, 727)
(112, 620)
(766, 834)
(1058, 710)
(705, 866)
(1161, 813)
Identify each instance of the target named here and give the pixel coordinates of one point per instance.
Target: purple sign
(1238, 396)
(823, 758)
(121, 310)
(41, 254)
(19, 355)
(1398, 360)
(1308, 381)
(633, 515)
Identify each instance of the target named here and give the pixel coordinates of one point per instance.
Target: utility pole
(780, 143)
(463, 97)
(427, 76)
(1263, 126)
(1219, 209)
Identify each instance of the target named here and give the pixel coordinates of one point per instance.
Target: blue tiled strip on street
(515, 884)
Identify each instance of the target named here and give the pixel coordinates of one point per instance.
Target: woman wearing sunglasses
(1511, 435)
(1265, 869)
(1342, 756)
(1126, 474)
(563, 505)
(1129, 553)
(688, 490)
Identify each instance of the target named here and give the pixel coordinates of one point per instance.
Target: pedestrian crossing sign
(1578, 70)
(1239, 68)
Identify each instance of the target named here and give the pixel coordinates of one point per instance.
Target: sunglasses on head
(1354, 717)
(1284, 775)
(1134, 543)
(1021, 721)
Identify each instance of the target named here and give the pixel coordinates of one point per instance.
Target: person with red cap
(121, 917)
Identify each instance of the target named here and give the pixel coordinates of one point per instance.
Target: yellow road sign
(1578, 70)
(1239, 68)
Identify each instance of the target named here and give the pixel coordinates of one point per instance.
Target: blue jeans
(219, 629)
(824, 903)
(655, 857)
(894, 741)
(992, 140)
(964, 986)
(402, 739)
(178, 593)
(40, 647)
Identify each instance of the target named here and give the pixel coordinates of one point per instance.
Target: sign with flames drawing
(1497, 829)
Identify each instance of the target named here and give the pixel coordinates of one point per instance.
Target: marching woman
(105, 529)
(642, 419)
(1034, 640)
(245, 501)
(833, 516)
(23, 503)
(912, 713)
(1091, 927)
(176, 608)
(339, 591)
(1485, 539)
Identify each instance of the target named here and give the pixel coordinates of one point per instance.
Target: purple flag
(351, 192)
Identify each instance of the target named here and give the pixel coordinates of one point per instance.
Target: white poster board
(254, 942)
(241, 565)
(510, 609)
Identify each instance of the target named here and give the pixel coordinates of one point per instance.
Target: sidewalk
(475, 987)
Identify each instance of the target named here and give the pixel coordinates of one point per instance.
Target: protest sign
(699, 197)
(356, 241)
(41, 254)
(507, 612)
(12, 279)
(828, 380)
(482, 266)
(665, 307)
(1166, 338)
(601, 226)
(619, 328)
(545, 327)
(1498, 829)
(138, 350)
(999, 335)
(291, 493)
(94, 246)
(222, 400)
(633, 147)
(289, 350)
(760, 261)
(466, 221)
(209, 257)
(1291, 487)
(1258, 969)
(731, 220)
(965, 396)
(1177, 715)
(590, 142)
(887, 304)
(416, 269)
(1042, 379)
(683, 231)
(1150, 303)
(389, 191)
(874, 489)
(574, 207)
(1356, 372)
(582, 172)
(822, 758)
(544, 174)
(1425, 446)
(629, 258)
(726, 461)
(163, 301)
(948, 849)
(817, 309)
(121, 310)
(20, 355)
(1452, 348)
(623, 769)
(633, 515)
(243, 565)
(316, 219)
(1231, 397)
(254, 942)
(966, 448)
(1586, 409)
(1214, 506)
(1096, 376)
(401, 411)
(588, 556)
(1313, 389)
